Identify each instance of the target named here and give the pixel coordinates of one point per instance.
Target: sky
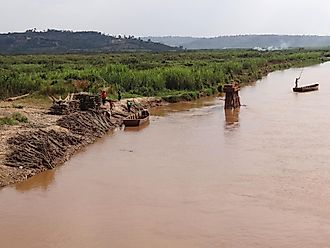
(197, 18)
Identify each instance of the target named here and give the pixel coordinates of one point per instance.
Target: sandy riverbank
(47, 141)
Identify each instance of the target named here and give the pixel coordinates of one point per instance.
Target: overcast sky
(200, 18)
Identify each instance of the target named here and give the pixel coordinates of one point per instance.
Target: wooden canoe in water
(306, 88)
(137, 119)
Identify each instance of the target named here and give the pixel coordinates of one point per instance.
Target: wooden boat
(137, 119)
(306, 88)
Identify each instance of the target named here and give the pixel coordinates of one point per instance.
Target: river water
(196, 176)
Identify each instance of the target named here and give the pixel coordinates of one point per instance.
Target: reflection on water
(138, 128)
(232, 117)
(41, 181)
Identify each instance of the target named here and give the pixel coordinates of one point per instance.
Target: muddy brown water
(196, 176)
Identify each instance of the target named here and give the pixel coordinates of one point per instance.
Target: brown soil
(30, 148)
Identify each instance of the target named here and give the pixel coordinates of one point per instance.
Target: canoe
(306, 88)
(137, 119)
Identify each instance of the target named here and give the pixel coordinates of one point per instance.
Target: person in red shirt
(104, 96)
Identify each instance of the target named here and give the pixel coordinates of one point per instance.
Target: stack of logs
(44, 149)
(40, 149)
(74, 103)
(62, 107)
(88, 101)
(90, 124)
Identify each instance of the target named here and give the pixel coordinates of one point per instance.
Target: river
(196, 177)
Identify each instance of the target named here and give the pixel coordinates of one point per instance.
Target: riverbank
(192, 178)
(144, 74)
(46, 141)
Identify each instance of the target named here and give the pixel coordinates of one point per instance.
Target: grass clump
(14, 119)
(7, 121)
(20, 117)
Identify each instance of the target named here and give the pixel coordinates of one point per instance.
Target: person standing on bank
(129, 105)
(104, 96)
(111, 104)
(119, 95)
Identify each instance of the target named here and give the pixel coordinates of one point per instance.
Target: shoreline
(48, 141)
(40, 120)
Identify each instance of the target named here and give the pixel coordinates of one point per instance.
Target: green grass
(14, 119)
(8, 121)
(19, 117)
(144, 74)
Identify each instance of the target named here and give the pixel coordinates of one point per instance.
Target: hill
(270, 42)
(56, 41)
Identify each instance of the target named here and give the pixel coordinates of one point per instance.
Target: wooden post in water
(232, 98)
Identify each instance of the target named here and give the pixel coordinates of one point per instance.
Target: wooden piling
(232, 100)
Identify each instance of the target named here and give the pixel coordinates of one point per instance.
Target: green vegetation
(61, 41)
(14, 119)
(172, 75)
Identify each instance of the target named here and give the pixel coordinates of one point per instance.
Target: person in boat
(104, 96)
(296, 82)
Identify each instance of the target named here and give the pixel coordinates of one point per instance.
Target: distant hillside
(55, 41)
(175, 41)
(246, 41)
